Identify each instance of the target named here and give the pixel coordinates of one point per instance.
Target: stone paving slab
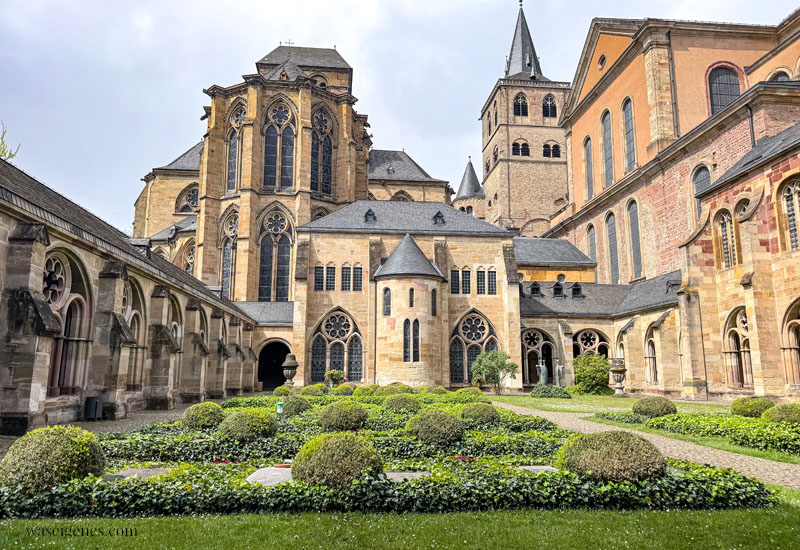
(770, 471)
(398, 475)
(143, 473)
(273, 476)
(538, 469)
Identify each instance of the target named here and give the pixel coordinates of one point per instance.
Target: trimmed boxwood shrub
(335, 460)
(752, 406)
(294, 405)
(363, 391)
(549, 392)
(343, 389)
(435, 390)
(653, 407)
(402, 388)
(386, 390)
(314, 389)
(48, 456)
(402, 403)
(282, 391)
(202, 416)
(611, 456)
(482, 414)
(591, 374)
(436, 427)
(469, 391)
(343, 415)
(248, 424)
(785, 412)
(334, 375)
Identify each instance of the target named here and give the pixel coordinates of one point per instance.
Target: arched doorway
(270, 365)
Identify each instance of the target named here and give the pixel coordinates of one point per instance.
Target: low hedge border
(623, 417)
(424, 398)
(471, 489)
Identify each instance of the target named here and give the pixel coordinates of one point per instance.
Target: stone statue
(542, 368)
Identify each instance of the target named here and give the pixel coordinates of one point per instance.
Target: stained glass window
(520, 106)
(287, 158)
(233, 156)
(481, 281)
(337, 357)
(327, 156)
(492, 282)
(407, 341)
(265, 270)
(723, 84)
(630, 149)
(549, 106)
(227, 258)
(456, 362)
(354, 360)
(270, 157)
(611, 229)
(636, 248)
(472, 353)
(387, 301)
(345, 278)
(318, 359)
(608, 155)
(314, 161)
(357, 279)
(284, 264)
(416, 340)
(790, 196)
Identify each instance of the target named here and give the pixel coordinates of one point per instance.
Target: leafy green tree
(334, 375)
(495, 367)
(6, 152)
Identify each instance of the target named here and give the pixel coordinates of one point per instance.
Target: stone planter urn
(618, 375)
(289, 369)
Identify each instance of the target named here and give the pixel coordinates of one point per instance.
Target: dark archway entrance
(270, 361)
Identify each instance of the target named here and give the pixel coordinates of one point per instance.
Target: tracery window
(230, 234)
(791, 205)
(727, 239)
(613, 258)
(188, 258)
(630, 147)
(275, 262)
(279, 138)
(608, 150)
(520, 105)
(188, 202)
(538, 348)
(549, 106)
(737, 350)
(723, 88)
(337, 345)
(589, 342)
(469, 338)
(321, 154)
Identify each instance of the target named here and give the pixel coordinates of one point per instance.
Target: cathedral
(646, 211)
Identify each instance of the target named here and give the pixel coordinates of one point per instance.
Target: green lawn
(774, 529)
(601, 403)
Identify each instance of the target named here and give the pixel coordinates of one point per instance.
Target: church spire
(522, 60)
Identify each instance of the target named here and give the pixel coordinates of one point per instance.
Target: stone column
(217, 357)
(565, 336)
(233, 376)
(249, 371)
(28, 326)
(659, 92)
(695, 383)
(159, 390)
(191, 387)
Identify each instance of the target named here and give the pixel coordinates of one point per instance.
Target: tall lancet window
(234, 156)
(276, 253)
(230, 232)
(321, 154)
(279, 149)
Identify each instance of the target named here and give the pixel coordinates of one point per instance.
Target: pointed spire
(522, 60)
(470, 186)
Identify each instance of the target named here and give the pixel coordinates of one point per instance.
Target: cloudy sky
(100, 92)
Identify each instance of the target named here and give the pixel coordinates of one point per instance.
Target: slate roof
(523, 64)
(537, 251)
(306, 57)
(186, 225)
(766, 148)
(407, 259)
(290, 68)
(402, 217)
(269, 313)
(69, 216)
(603, 300)
(396, 166)
(190, 160)
(470, 186)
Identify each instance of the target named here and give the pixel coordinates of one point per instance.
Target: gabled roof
(548, 252)
(190, 160)
(306, 57)
(523, 64)
(186, 225)
(290, 68)
(603, 300)
(396, 166)
(402, 217)
(470, 186)
(406, 260)
(269, 313)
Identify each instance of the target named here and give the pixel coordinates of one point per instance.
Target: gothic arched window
(275, 262)
(589, 342)
(592, 240)
(355, 360)
(416, 340)
(520, 106)
(737, 350)
(337, 345)
(231, 230)
(321, 154)
(723, 88)
(188, 202)
(475, 335)
(549, 106)
(611, 232)
(279, 149)
(791, 205)
(727, 239)
(407, 341)
(233, 160)
(650, 357)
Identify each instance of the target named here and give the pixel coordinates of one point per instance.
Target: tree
(5, 151)
(494, 367)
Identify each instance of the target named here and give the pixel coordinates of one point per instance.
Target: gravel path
(780, 473)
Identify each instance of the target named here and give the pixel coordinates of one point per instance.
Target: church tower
(524, 158)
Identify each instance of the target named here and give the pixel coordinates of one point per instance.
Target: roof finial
(469, 158)
(520, 4)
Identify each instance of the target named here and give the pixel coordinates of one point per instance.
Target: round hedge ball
(785, 412)
(436, 427)
(481, 413)
(752, 407)
(282, 391)
(202, 416)
(435, 390)
(343, 389)
(335, 460)
(363, 391)
(314, 390)
(386, 390)
(402, 388)
(402, 403)
(342, 416)
(654, 407)
(248, 425)
(48, 456)
(611, 456)
(294, 405)
(470, 391)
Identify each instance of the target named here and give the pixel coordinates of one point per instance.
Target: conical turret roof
(407, 259)
(470, 186)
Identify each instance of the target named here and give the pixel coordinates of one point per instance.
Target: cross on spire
(288, 42)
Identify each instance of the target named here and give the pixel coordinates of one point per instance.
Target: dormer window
(438, 218)
(369, 217)
(284, 76)
(390, 169)
(558, 290)
(577, 291)
(536, 290)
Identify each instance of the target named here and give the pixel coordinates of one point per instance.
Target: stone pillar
(249, 371)
(28, 326)
(217, 357)
(191, 387)
(164, 347)
(233, 375)
(695, 383)
(659, 92)
(565, 337)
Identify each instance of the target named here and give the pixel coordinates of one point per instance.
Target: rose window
(191, 198)
(232, 226)
(588, 339)
(276, 224)
(337, 327)
(54, 281)
(280, 114)
(532, 339)
(320, 123)
(473, 328)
